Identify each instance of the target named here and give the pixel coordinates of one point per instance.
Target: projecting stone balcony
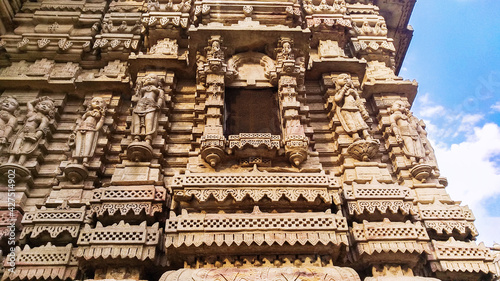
(51, 223)
(446, 219)
(390, 242)
(128, 200)
(255, 233)
(308, 191)
(377, 200)
(43, 263)
(254, 144)
(456, 260)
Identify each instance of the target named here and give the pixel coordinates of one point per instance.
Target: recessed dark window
(251, 111)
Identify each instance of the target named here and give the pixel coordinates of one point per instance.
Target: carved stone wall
(118, 163)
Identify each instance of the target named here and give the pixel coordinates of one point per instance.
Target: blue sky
(455, 57)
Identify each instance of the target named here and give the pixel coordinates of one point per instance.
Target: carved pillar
(290, 72)
(211, 72)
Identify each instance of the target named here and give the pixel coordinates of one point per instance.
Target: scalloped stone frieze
(255, 229)
(43, 263)
(458, 256)
(378, 196)
(445, 218)
(53, 221)
(120, 240)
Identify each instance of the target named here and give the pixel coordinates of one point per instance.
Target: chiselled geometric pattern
(256, 194)
(115, 113)
(377, 196)
(266, 179)
(119, 240)
(200, 229)
(460, 256)
(44, 262)
(389, 236)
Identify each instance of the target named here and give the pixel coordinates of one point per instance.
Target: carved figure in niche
(215, 51)
(84, 139)
(40, 112)
(408, 132)
(8, 120)
(150, 98)
(286, 51)
(350, 109)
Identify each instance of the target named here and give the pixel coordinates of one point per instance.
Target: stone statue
(40, 112)
(84, 139)
(149, 98)
(350, 109)
(408, 132)
(8, 120)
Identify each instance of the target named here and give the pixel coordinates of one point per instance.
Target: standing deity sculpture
(149, 98)
(84, 139)
(411, 136)
(352, 114)
(350, 109)
(8, 119)
(41, 112)
(407, 130)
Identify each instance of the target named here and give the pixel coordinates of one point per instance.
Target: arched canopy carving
(252, 69)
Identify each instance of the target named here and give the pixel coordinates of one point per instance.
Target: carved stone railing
(393, 242)
(43, 263)
(380, 197)
(124, 199)
(254, 140)
(460, 257)
(249, 231)
(53, 221)
(445, 218)
(256, 185)
(120, 240)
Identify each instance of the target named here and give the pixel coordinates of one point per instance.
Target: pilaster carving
(291, 74)
(211, 72)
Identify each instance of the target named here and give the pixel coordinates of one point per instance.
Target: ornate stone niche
(447, 219)
(198, 191)
(229, 234)
(44, 263)
(390, 242)
(457, 260)
(62, 223)
(375, 201)
(7, 220)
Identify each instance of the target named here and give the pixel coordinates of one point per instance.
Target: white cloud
(468, 122)
(496, 106)
(431, 111)
(472, 175)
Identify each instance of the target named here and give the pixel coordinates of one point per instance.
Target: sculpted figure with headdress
(84, 139)
(350, 108)
(40, 112)
(8, 119)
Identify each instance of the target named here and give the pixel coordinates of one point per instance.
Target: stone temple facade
(220, 140)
